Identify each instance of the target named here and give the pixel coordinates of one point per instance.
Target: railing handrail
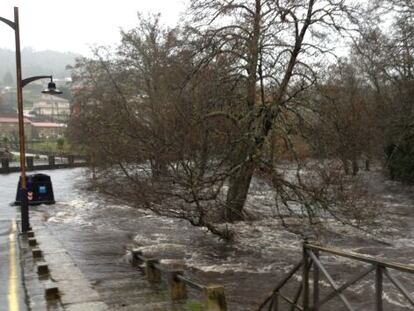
(362, 258)
(158, 266)
(311, 262)
(51, 164)
(213, 294)
(192, 283)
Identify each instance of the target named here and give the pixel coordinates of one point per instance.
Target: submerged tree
(144, 115)
(188, 116)
(275, 46)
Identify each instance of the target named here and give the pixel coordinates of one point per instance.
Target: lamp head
(51, 89)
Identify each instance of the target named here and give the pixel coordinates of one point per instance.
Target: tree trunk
(355, 167)
(345, 165)
(204, 154)
(239, 184)
(367, 164)
(158, 168)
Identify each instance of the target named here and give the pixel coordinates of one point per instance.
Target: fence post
(378, 288)
(5, 164)
(71, 159)
(215, 298)
(305, 277)
(134, 260)
(29, 162)
(152, 273)
(51, 159)
(275, 302)
(176, 287)
(316, 283)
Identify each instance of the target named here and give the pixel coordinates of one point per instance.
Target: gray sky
(75, 25)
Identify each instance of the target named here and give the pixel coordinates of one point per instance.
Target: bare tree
(273, 44)
(180, 120)
(346, 126)
(145, 120)
(387, 62)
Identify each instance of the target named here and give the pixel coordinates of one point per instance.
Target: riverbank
(249, 268)
(98, 232)
(52, 280)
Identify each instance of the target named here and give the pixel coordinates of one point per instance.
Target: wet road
(12, 296)
(97, 233)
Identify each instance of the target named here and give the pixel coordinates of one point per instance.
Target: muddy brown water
(97, 234)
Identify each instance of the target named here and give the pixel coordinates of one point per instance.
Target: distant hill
(36, 63)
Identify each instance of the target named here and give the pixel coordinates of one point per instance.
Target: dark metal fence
(51, 162)
(308, 295)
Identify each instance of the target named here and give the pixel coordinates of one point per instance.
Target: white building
(53, 107)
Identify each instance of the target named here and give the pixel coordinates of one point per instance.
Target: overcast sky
(75, 25)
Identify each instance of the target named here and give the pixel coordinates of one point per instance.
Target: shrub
(400, 161)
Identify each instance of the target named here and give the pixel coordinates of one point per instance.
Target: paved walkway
(75, 291)
(21, 287)
(86, 264)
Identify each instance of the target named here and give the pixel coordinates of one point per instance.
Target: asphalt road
(12, 296)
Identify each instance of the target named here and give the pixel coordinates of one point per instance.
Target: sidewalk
(52, 279)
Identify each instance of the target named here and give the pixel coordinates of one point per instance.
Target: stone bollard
(30, 234)
(29, 162)
(32, 241)
(152, 273)
(37, 253)
(215, 298)
(51, 290)
(176, 287)
(42, 268)
(51, 160)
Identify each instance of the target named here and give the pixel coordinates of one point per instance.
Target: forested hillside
(36, 63)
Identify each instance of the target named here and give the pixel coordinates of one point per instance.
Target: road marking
(12, 293)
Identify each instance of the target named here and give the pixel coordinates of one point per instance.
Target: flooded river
(98, 232)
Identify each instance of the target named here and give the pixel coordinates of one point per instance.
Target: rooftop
(12, 120)
(47, 124)
(35, 124)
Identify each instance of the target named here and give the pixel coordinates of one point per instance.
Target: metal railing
(177, 283)
(310, 264)
(51, 163)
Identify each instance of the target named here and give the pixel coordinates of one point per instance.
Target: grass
(49, 146)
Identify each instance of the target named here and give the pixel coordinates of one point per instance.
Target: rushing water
(98, 233)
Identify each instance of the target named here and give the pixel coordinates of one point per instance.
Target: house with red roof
(9, 127)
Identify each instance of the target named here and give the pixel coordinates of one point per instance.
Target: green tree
(60, 143)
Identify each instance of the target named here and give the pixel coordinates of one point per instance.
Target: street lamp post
(20, 84)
